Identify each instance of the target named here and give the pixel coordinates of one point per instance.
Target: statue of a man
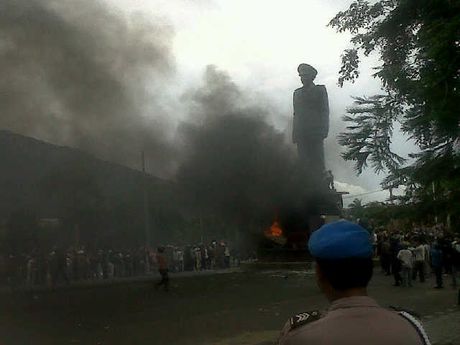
(311, 121)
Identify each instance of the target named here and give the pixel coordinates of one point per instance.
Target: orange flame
(274, 230)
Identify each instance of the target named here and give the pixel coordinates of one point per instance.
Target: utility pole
(146, 204)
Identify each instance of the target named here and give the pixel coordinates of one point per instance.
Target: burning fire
(274, 230)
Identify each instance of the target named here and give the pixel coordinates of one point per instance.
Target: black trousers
(396, 269)
(385, 262)
(164, 279)
(438, 274)
(419, 267)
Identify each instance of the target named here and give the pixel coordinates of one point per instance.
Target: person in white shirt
(406, 258)
(419, 262)
(180, 259)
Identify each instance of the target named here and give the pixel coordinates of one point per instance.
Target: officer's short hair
(348, 273)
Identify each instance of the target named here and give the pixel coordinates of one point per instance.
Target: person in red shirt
(162, 268)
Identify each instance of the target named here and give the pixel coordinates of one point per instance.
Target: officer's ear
(319, 276)
(322, 281)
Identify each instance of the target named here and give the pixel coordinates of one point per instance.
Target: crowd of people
(60, 266)
(407, 256)
(414, 255)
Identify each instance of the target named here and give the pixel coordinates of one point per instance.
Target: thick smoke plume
(79, 74)
(75, 73)
(235, 163)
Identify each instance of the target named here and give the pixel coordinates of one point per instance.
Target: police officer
(343, 254)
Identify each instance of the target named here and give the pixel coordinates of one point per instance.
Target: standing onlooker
(204, 256)
(162, 269)
(226, 256)
(99, 264)
(197, 256)
(189, 261)
(375, 241)
(57, 266)
(395, 262)
(213, 254)
(419, 262)
(427, 257)
(175, 260)
(447, 253)
(436, 263)
(455, 261)
(220, 255)
(129, 264)
(235, 254)
(148, 260)
(406, 258)
(110, 269)
(32, 271)
(385, 256)
(180, 259)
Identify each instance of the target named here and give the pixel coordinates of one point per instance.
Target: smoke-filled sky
(80, 73)
(260, 44)
(114, 77)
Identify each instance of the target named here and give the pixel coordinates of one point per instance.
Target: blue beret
(340, 240)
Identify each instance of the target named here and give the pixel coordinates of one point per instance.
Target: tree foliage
(418, 42)
(369, 132)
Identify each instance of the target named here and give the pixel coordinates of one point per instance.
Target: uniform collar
(353, 302)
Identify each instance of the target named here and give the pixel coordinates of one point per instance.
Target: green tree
(356, 208)
(369, 132)
(418, 42)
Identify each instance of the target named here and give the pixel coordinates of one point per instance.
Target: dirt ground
(222, 309)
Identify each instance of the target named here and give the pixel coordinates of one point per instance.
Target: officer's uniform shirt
(352, 321)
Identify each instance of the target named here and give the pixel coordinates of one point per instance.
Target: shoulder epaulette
(304, 318)
(413, 319)
(406, 310)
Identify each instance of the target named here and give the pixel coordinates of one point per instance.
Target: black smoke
(77, 73)
(235, 164)
(81, 74)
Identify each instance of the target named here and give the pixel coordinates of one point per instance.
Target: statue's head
(307, 73)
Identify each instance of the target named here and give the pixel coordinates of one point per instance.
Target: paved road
(201, 309)
(153, 276)
(439, 311)
(444, 327)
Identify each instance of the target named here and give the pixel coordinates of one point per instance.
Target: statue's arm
(295, 126)
(325, 110)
